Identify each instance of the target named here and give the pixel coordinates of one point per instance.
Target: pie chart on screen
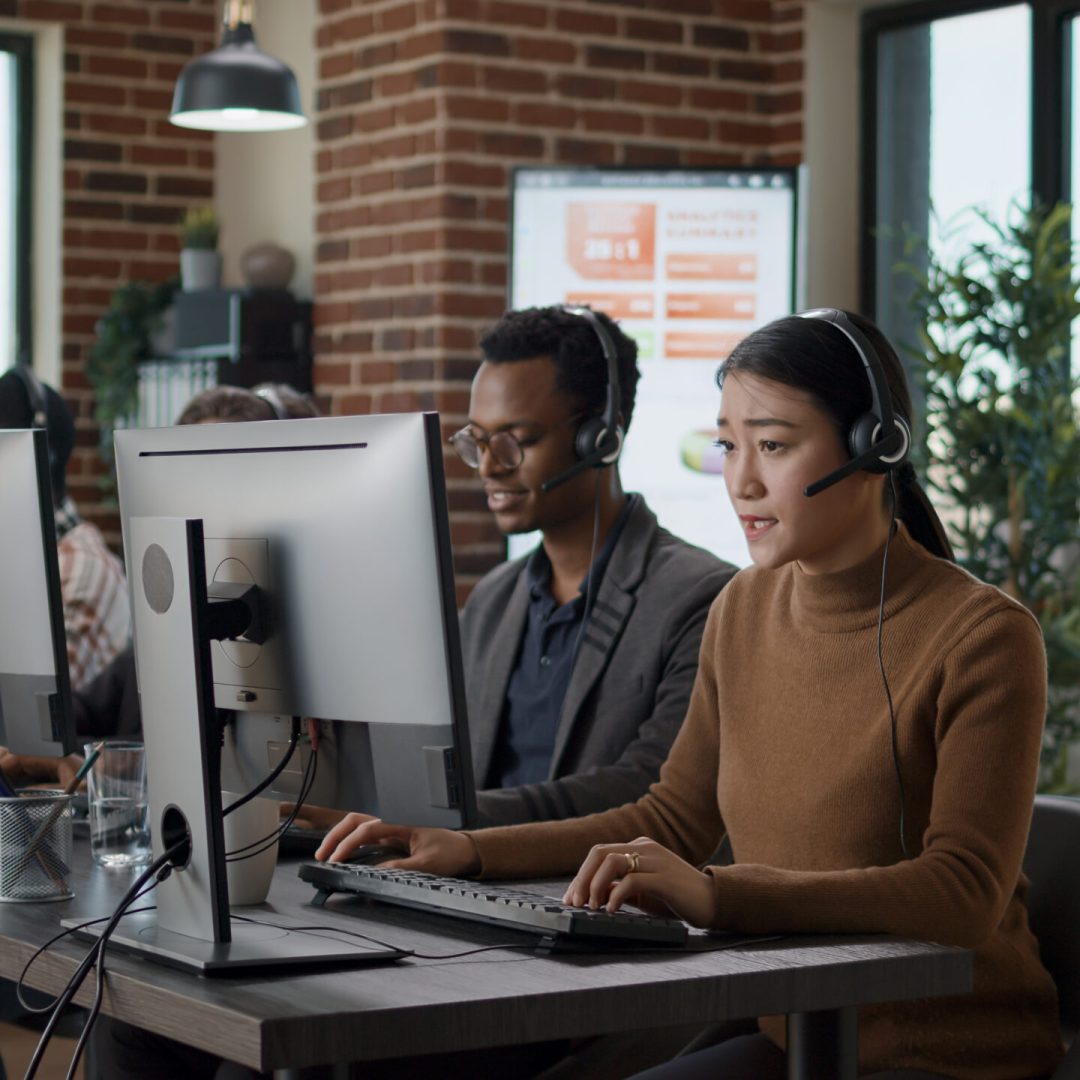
(699, 453)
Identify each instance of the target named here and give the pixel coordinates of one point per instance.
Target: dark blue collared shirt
(541, 675)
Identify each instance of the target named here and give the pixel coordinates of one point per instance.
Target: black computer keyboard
(494, 904)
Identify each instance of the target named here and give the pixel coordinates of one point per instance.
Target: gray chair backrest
(1052, 863)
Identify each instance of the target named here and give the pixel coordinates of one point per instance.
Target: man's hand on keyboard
(435, 851)
(646, 874)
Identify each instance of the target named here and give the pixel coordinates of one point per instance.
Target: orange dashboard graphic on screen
(689, 267)
(699, 345)
(617, 305)
(611, 241)
(710, 306)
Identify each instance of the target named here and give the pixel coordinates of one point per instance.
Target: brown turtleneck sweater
(786, 748)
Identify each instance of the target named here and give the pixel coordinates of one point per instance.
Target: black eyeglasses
(507, 451)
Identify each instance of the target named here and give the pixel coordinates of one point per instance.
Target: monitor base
(256, 947)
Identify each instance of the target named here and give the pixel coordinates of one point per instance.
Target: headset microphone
(863, 461)
(598, 441)
(879, 440)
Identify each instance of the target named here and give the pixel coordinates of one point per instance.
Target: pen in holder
(35, 846)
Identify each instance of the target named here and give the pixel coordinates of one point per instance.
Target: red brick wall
(423, 106)
(128, 172)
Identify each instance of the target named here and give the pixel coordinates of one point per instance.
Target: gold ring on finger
(633, 858)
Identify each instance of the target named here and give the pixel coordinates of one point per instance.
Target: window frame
(1050, 95)
(21, 47)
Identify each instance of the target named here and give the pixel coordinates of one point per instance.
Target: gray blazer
(631, 683)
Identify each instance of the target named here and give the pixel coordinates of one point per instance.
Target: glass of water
(119, 814)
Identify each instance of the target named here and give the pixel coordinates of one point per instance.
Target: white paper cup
(249, 873)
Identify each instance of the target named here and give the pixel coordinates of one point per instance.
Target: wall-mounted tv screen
(688, 261)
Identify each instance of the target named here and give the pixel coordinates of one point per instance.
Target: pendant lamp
(237, 87)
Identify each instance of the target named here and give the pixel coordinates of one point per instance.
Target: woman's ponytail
(916, 512)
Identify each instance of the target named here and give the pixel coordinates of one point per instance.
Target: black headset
(273, 399)
(39, 406)
(35, 394)
(879, 440)
(598, 441)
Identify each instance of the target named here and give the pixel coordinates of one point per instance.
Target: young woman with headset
(865, 729)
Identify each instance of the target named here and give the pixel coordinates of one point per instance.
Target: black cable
(894, 741)
(294, 738)
(266, 842)
(99, 956)
(263, 843)
(99, 975)
(590, 584)
(668, 950)
(99, 987)
(322, 930)
(27, 1006)
(75, 982)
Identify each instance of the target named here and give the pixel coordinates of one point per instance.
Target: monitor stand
(191, 927)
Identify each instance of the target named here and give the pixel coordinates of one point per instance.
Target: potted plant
(200, 261)
(1001, 450)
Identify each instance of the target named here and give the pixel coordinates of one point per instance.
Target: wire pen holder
(35, 847)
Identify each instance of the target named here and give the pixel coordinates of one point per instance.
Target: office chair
(1052, 864)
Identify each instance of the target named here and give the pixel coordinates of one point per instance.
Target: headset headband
(273, 399)
(610, 415)
(880, 398)
(608, 441)
(35, 394)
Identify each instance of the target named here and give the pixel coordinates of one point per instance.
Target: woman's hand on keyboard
(646, 874)
(435, 851)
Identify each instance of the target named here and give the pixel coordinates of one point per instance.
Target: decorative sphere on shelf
(267, 266)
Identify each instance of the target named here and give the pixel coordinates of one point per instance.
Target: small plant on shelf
(200, 261)
(200, 228)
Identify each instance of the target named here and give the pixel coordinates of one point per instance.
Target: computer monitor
(35, 696)
(340, 525)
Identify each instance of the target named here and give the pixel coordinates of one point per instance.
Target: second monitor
(341, 525)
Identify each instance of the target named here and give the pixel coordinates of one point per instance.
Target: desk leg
(823, 1045)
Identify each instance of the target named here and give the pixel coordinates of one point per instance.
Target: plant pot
(200, 269)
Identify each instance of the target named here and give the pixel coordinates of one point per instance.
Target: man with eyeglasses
(579, 657)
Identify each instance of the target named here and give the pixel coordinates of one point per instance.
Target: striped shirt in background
(97, 615)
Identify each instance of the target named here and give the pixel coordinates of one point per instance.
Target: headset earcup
(861, 441)
(592, 438)
(612, 455)
(587, 437)
(861, 435)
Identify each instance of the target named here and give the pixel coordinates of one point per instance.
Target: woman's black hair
(813, 356)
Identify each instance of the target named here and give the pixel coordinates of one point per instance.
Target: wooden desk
(494, 998)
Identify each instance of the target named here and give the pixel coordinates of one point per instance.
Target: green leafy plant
(124, 335)
(199, 229)
(1002, 443)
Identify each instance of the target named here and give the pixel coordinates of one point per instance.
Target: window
(966, 105)
(16, 144)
